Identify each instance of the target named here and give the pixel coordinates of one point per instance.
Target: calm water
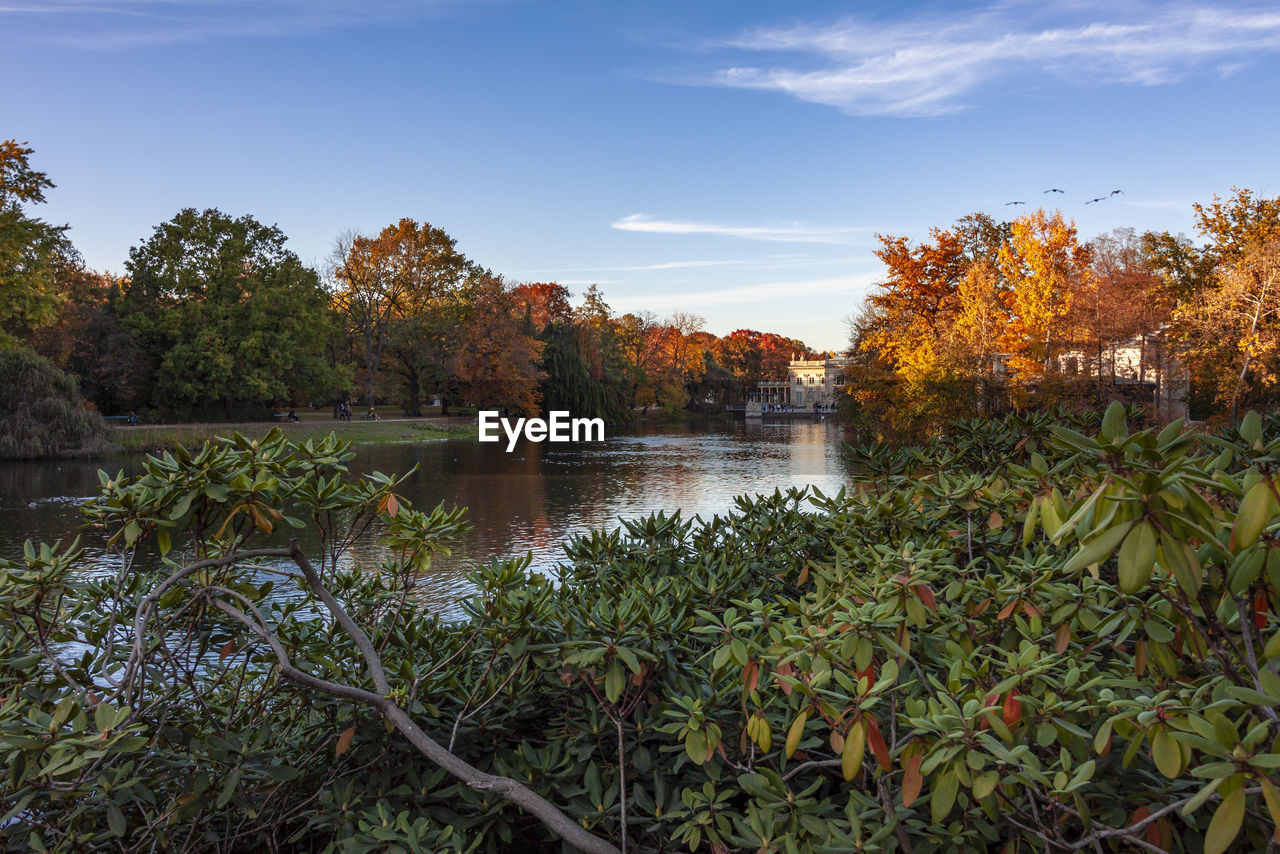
(529, 500)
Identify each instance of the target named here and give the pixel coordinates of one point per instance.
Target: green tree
(31, 250)
(223, 312)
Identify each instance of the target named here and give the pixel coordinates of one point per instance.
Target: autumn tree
(1043, 264)
(31, 250)
(641, 338)
(542, 303)
(86, 338)
(497, 366)
(1222, 293)
(397, 293)
(1122, 299)
(223, 312)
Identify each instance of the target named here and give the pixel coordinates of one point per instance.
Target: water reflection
(526, 501)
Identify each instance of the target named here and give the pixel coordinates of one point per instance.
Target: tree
(497, 364)
(88, 340)
(1232, 331)
(1044, 264)
(544, 303)
(223, 312)
(641, 338)
(31, 250)
(397, 293)
(1222, 294)
(1121, 299)
(586, 370)
(42, 413)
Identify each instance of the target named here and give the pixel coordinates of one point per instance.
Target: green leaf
(1098, 547)
(115, 820)
(1225, 824)
(1113, 423)
(1167, 753)
(615, 681)
(944, 795)
(1256, 510)
(228, 788)
(1137, 557)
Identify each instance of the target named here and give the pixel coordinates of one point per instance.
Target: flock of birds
(1064, 192)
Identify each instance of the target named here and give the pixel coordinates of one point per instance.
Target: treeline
(985, 316)
(216, 319)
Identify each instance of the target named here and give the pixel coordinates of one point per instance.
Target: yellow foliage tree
(1043, 262)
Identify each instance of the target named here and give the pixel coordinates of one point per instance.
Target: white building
(808, 382)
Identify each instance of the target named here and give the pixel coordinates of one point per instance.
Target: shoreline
(149, 438)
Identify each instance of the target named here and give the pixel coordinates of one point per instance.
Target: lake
(526, 501)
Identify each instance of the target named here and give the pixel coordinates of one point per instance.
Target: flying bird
(1054, 190)
(1006, 204)
(1116, 193)
(1099, 199)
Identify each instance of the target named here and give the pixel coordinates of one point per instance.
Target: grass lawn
(313, 425)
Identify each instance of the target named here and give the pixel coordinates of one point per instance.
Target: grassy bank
(157, 437)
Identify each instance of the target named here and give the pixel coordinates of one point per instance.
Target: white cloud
(770, 261)
(121, 24)
(928, 67)
(794, 233)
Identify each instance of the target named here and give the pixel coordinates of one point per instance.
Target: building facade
(810, 383)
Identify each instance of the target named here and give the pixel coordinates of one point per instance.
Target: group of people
(344, 412)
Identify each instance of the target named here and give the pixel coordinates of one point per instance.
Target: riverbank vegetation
(170, 437)
(42, 413)
(1040, 633)
(215, 319)
(988, 316)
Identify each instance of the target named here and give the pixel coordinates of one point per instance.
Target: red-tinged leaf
(1062, 638)
(912, 780)
(804, 576)
(1012, 712)
(981, 608)
(751, 674)
(995, 520)
(1007, 610)
(869, 674)
(393, 506)
(227, 648)
(344, 740)
(784, 669)
(1260, 610)
(925, 593)
(1151, 831)
(1030, 610)
(876, 742)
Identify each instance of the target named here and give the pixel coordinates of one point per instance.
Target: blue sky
(732, 159)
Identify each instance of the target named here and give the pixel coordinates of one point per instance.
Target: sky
(731, 159)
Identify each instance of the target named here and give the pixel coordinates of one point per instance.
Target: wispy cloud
(927, 67)
(771, 261)
(792, 233)
(844, 286)
(120, 24)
